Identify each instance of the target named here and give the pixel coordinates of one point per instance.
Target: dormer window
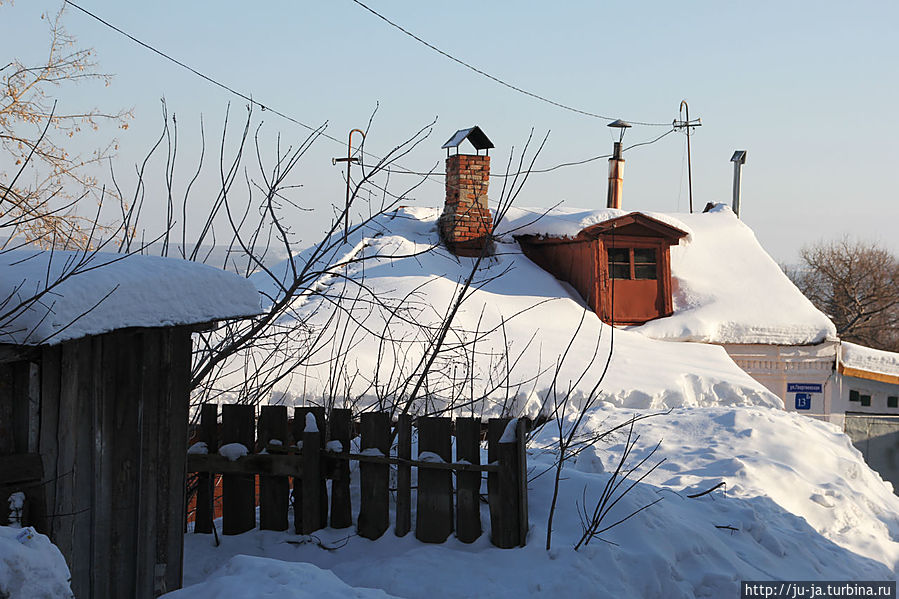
(621, 267)
(633, 263)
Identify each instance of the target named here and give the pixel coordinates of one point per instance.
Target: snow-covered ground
(31, 567)
(799, 504)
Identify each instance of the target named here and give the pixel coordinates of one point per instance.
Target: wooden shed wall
(112, 436)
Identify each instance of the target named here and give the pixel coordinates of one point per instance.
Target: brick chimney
(466, 222)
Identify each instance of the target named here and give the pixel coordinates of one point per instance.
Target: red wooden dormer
(621, 267)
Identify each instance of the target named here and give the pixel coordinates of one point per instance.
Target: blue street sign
(803, 401)
(805, 388)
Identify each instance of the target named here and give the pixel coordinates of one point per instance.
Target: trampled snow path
(802, 501)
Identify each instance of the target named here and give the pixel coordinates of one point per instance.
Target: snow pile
(31, 567)
(517, 319)
(198, 448)
(86, 294)
(233, 451)
(244, 576)
(726, 288)
(799, 504)
(866, 358)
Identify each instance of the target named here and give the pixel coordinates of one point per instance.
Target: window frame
(632, 262)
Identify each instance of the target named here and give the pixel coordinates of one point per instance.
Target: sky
(808, 89)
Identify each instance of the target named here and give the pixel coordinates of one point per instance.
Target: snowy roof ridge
(101, 292)
(869, 359)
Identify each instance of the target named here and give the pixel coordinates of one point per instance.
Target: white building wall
(780, 367)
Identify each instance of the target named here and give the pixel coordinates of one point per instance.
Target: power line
(556, 167)
(497, 79)
(396, 168)
(215, 82)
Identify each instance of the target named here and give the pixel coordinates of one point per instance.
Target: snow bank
(31, 567)
(799, 504)
(866, 358)
(244, 576)
(517, 318)
(726, 288)
(103, 292)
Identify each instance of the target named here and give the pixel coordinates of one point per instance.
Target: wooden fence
(304, 451)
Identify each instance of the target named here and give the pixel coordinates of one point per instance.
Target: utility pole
(686, 124)
(349, 160)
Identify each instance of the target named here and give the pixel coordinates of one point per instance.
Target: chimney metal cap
(739, 156)
(619, 124)
(474, 135)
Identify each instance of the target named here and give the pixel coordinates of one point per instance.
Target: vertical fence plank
(434, 512)
(468, 484)
(506, 532)
(340, 430)
(374, 515)
(321, 423)
(403, 475)
(205, 514)
(274, 491)
(522, 480)
(238, 490)
(495, 428)
(312, 504)
(299, 425)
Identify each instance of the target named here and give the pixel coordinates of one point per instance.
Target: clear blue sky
(809, 89)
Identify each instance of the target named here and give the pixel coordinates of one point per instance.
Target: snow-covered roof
(726, 288)
(50, 297)
(868, 359)
(516, 312)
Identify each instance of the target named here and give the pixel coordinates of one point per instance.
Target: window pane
(853, 395)
(619, 255)
(620, 271)
(644, 256)
(893, 402)
(644, 271)
(866, 400)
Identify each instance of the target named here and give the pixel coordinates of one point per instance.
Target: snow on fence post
(340, 429)
(434, 512)
(238, 490)
(468, 484)
(208, 434)
(274, 491)
(403, 475)
(312, 504)
(374, 510)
